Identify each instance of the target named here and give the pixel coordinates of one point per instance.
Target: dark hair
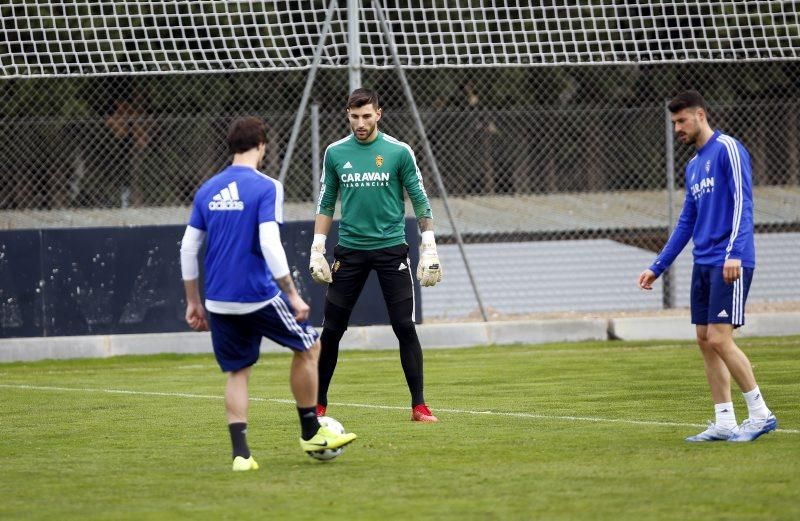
(360, 97)
(246, 133)
(687, 99)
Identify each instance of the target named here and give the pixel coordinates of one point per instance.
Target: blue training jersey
(229, 207)
(718, 209)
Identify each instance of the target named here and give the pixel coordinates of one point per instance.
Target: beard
(363, 132)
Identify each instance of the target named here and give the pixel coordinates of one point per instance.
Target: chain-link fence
(529, 156)
(146, 142)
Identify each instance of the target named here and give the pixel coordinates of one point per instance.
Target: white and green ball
(329, 454)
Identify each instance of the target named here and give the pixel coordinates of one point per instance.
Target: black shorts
(351, 268)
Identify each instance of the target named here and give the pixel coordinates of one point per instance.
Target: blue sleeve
(197, 219)
(680, 235)
(270, 206)
(740, 184)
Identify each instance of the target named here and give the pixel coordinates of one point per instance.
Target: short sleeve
(270, 207)
(197, 218)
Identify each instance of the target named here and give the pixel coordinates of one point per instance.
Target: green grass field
(561, 431)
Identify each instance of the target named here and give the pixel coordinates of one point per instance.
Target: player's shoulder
(210, 184)
(729, 148)
(242, 180)
(393, 141)
(336, 146)
(400, 147)
(265, 186)
(266, 181)
(726, 141)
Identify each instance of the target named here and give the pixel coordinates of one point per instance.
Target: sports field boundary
(432, 336)
(471, 412)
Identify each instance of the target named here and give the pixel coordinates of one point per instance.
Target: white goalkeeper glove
(318, 265)
(429, 269)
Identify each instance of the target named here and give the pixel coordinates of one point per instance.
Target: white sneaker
(714, 432)
(752, 429)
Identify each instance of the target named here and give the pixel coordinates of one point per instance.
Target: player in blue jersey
(718, 216)
(249, 290)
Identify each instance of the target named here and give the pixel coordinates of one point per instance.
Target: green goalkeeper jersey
(370, 178)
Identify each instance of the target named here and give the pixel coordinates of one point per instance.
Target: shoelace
(749, 424)
(717, 428)
(424, 410)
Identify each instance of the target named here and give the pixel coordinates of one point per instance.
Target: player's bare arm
(301, 309)
(646, 279)
(732, 270)
(425, 224)
(190, 271)
(322, 224)
(195, 313)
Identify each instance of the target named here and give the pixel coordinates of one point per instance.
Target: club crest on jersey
(708, 166)
(378, 161)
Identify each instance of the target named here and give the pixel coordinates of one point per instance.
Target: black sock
(238, 433)
(309, 425)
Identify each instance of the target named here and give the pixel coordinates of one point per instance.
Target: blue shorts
(237, 338)
(716, 302)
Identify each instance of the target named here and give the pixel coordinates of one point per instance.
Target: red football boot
(421, 413)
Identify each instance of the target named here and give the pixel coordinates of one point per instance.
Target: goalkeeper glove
(318, 265)
(429, 269)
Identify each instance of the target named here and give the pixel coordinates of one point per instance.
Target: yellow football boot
(240, 464)
(326, 439)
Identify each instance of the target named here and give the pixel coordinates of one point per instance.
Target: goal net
(88, 37)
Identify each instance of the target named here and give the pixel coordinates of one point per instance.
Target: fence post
(412, 106)
(314, 151)
(301, 110)
(668, 278)
(353, 45)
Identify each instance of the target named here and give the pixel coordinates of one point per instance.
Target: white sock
(725, 417)
(756, 405)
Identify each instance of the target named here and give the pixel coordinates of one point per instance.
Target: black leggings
(400, 313)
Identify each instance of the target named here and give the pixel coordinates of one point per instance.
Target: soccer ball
(329, 454)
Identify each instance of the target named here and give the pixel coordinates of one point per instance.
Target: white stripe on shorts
(289, 321)
(413, 297)
(736, 315)
(308, 340)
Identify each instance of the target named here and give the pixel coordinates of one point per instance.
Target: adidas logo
(227, 199)
(402, 266)
(723, 314)
(347, 165)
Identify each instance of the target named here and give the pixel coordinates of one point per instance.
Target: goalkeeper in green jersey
(369, 171)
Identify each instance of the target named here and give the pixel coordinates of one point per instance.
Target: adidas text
(226, 205)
